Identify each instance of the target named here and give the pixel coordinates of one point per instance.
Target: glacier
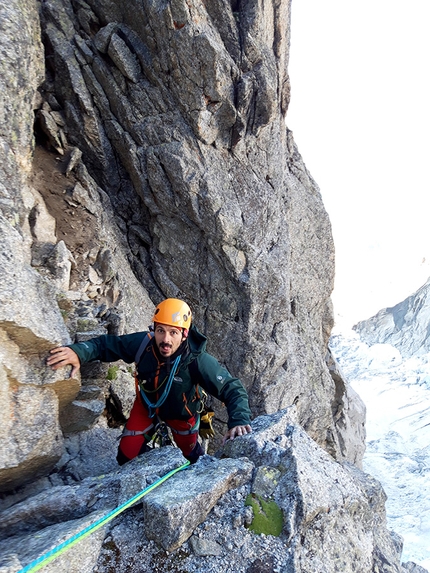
(396, 392)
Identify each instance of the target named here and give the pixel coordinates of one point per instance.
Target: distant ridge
(406, 326)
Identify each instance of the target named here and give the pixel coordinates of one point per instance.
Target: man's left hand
(237, 431)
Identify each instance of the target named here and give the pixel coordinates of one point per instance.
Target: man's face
(168, 339)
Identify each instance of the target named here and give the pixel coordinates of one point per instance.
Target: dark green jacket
(183, 397)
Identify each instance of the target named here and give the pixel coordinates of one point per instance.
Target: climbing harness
(162, 436)
(193, 429)
(63, 547)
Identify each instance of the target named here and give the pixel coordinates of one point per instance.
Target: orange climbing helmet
(173, 312)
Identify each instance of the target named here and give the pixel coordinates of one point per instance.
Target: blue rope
(62, 547)
(151, 406)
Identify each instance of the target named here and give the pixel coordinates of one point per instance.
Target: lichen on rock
(268, 517)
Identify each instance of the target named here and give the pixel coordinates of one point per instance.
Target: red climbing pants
(139, 421)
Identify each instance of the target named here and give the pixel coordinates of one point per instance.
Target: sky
(360, 114)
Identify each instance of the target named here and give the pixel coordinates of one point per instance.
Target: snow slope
(396, 392)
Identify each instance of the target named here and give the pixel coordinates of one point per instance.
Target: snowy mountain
(406, 325)
(387, 362)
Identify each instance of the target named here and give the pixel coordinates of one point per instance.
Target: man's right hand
(63, 356)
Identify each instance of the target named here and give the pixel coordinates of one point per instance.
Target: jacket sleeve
(218, 382)
(109, 348)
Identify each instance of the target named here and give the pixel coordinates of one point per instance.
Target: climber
(174, 373)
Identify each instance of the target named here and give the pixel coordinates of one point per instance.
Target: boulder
(70, 502)
(174, 511)
(320, 498)
(78, 460)
(122, 391)
(80, 415)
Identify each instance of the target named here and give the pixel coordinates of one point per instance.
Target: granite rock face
(163, 167)
(31, 438)
(179, 110)
(37, 297)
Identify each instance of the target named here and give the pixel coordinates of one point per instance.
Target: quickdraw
(161, 437)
